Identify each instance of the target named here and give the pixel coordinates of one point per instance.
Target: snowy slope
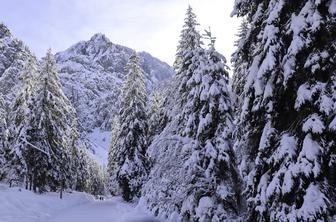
(99, 142)
(25, 206)
(17, 206)
(92, 73)
(13, 55)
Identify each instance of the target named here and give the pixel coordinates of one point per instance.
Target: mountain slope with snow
(92, 73)
(21, 205)
(13, 56)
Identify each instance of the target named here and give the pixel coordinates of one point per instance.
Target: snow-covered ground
(25, 206)
(100, 141)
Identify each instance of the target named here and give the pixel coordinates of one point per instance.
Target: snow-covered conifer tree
(80, 166)
(214, 194)
(288, 110)
(186, 55)
(95, 181)
(74, 178)
(53, 123)
(154, 114)
(16, 155)
(112, 166)
(194, 172)
(3, 135)
(240, 60)
(3, 120)
(130, 166)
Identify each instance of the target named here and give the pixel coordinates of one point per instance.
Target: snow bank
(24, 206)
(100, 141)
(19, 206)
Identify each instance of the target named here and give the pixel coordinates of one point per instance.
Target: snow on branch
(35, 147)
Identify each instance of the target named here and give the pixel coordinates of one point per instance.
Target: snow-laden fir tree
(3, 121)
(53, 126)
(186, 55)
(214, 192)
(83, 167)
(76, 177)
(190, 40)
(95, 181)
(3, 135)
(167, 94)
(17, 166)
(129, 164)
(194, 174)
(156, 103)
(240, 60)
(288, 111)
(14, 56)
(165, 190)
(112, 165)
(79, 170)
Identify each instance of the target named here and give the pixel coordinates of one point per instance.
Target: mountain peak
(98, 44)
(4, 31)
(92, 73)
(99, 37)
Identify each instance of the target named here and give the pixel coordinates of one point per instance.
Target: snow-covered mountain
(13, 55)
(92, 73)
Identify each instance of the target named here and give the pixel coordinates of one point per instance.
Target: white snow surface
(25, 206)
(100, 142)
(332, 7)
(314, 124)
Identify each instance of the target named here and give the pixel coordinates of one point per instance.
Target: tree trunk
(27, 180)
(34, 183)
(61, 192)
(30, 182)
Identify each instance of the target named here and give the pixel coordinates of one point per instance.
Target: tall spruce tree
(112, 166)
(194, 172)
(95, 181)
(53, 123)
(240, 60)
(3, 135)
(80, 166)
(3, 120)
(130, 163)
(214, 194)
(16, 154)
(186, 55)
(154, 114)
(74, 179)
(288, 111)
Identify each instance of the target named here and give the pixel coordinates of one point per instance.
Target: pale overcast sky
(144, 25)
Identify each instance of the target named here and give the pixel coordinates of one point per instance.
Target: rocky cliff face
(13, 56)
(92, 73)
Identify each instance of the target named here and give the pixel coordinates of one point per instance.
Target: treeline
(264, 152)
(40, 144)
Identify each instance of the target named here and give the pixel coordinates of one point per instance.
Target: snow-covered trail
(112, 210)
(20, 205)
